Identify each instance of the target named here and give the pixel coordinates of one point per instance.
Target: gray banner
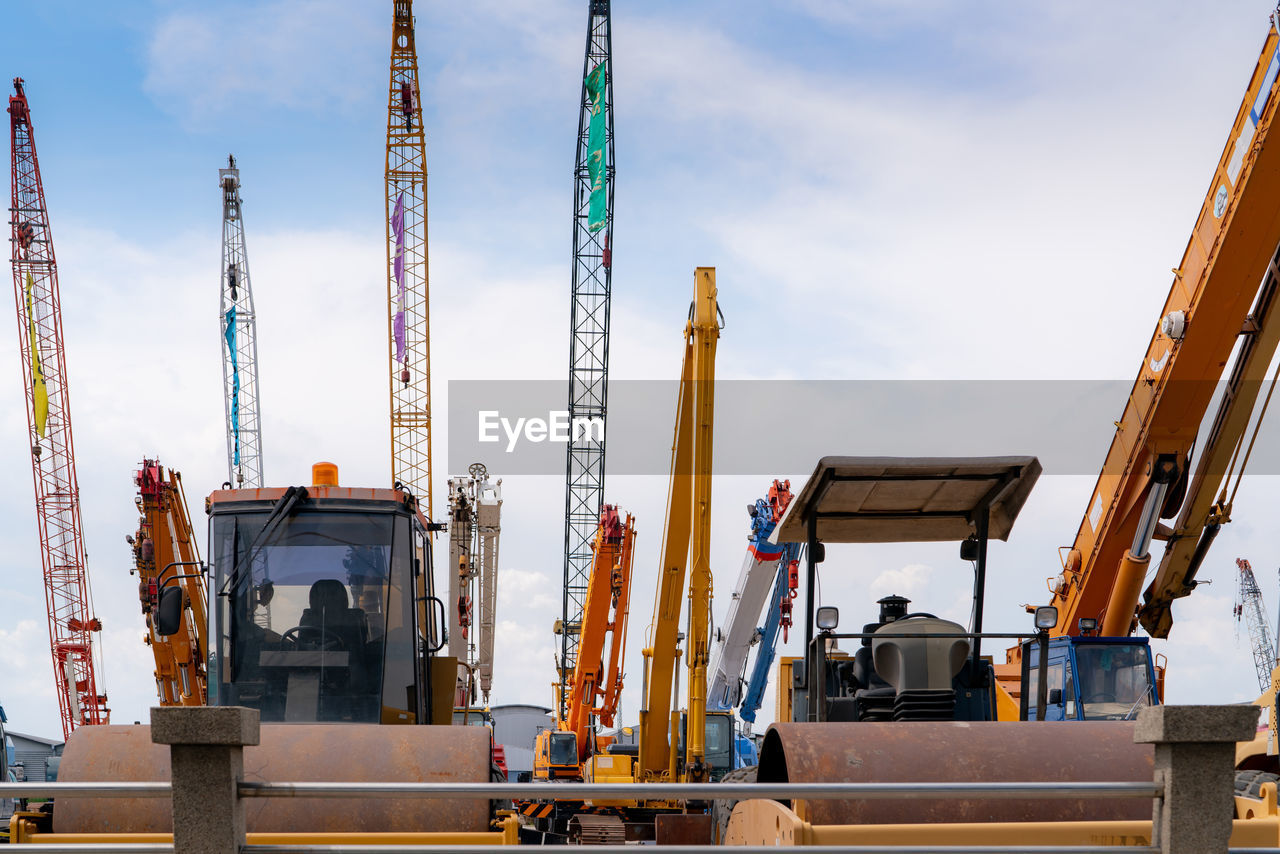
(764, 427)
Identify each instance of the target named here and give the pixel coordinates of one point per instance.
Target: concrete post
(1195, 748)
(206, 749)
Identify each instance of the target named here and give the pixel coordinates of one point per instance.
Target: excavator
(323, 615)
(1164, 477)
(1085, 668)
(693, 745)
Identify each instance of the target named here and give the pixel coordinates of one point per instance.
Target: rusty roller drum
(959, 752)
(290, 753)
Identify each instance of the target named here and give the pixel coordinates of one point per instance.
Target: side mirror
(1055, 696)
(169, 612)
(828, 617)
(819, 552)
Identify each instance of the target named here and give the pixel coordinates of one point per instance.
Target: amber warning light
(324, 474)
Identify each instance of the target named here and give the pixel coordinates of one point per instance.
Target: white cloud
(527, 590)
(910, 581)
(204, 64)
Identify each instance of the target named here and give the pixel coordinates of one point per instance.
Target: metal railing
(606, 791)
(1187, 788)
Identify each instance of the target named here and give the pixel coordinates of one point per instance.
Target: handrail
(707, 849)
(94, 848)
(164, 848)
(608, 791)
(85, 790)
(703, 791)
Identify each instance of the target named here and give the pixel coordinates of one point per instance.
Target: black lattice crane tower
(1249, 605)
(593, 177)
(409, 330)
(53, 463)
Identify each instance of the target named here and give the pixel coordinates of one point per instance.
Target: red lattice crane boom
(35, 284)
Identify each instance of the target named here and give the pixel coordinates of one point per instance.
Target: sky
(894, 191)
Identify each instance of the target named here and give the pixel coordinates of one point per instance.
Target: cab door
(1061, 704)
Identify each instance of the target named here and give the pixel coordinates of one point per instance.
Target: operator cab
(555, 756)
(314, 616)
(1090, 679)
(720, 744)
(907, 665)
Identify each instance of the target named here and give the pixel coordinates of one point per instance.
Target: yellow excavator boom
(685, 545)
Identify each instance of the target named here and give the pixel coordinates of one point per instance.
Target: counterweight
(408, 326)
(239, 342)
(593, 175)
(44, 372)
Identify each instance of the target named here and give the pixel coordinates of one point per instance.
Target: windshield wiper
(280, 511)
(1145, 695)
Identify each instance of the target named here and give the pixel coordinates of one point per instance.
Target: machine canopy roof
(908, 499)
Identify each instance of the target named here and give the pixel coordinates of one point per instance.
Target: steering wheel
(326, 640)
(1100, 697)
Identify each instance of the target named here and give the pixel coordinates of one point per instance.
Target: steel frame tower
(408, 329)
(239, 342)
(589, 341)
(1249, 604)
(44, 371)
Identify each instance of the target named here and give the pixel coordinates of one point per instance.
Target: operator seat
(331, 613)
(874, 695)
(343, 688)
(922, 670)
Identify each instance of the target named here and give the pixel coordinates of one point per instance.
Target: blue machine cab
(1090, 678)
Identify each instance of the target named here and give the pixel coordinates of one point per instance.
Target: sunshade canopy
(908, 499)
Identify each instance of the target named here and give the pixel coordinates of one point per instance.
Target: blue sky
(889, 190)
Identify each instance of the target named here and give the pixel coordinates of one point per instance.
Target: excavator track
(588, 829)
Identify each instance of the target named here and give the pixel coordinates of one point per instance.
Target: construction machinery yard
(332, 656)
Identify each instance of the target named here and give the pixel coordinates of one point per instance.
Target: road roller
(324, 618)
(912, 698)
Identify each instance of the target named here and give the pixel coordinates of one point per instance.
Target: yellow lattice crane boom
(408, 330)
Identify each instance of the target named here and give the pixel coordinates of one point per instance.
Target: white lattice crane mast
(239, 343)
(1249, 605)
(53, 460)
(475, 524)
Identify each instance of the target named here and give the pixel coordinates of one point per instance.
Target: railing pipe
(85, 790)
(702, 791)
